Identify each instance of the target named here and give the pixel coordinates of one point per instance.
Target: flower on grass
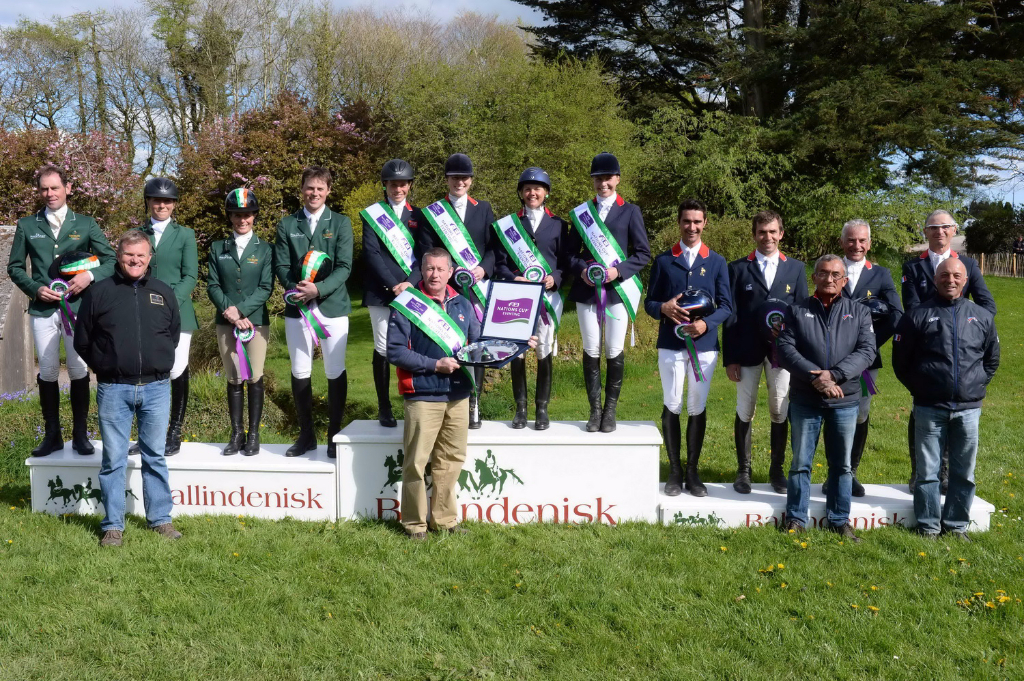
(722, 548)
(803, 545)
(781, 566)
(235, 555)
(990, 605)
(873, 609)
(854, 606)
(330, 616)
(783, 585)
(922, 554)
(874, 588)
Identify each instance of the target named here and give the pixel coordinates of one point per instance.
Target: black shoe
(776, 472)
(741, 435)
(519, 391)
(49, 404)
(844, 531)
(695, 427)
(80, 417)
(337, 395)
(672, 434)
(616, 368)
(860, 438)
(302, 392)
(381, 379)
(592, 381)
(959, 535)
(236, 396)
(544, 370)
(474, 399)
(252, 439)
(179, 404)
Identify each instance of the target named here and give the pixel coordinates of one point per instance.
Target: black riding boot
(672, 433)
(519, 391)
(544, 369)
(695, 427)
(49, 404)
(612, 386)
(912, 483)
(381, 379)
(741, 434)
(592, 380)
(302, 392)
(860, 438)
(474, 399)
(776, 474)
(252, 440)
(80, 417)
(236, 396)
(337, 395)
(179, 403)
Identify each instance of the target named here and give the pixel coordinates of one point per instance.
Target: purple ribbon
(67, 317)
(316, 327)
(244, 365)
(691, 351)
(775, 353)
(867, 386)
(598, 275)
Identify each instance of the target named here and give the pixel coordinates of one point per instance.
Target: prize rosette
(316, 327)
(464, 280)
(597, 274)
(242, 337)
(61, 271)
(773, 313)
(534, 273)
(698, 304)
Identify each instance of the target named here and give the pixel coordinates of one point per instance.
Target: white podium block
(881, 506)
(267, 485)
(560, 475)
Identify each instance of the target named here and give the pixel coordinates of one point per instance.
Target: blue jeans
(935, 430)
(117, 404)
(805, 425)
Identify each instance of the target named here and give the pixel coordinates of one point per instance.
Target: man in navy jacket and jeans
(826, 343)
(945, 351)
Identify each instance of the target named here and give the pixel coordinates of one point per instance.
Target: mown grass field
(240, 598)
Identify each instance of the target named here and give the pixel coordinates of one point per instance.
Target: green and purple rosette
(67, 317)
(597, 274)
(536, 274)
(465, 279)
(691, 351)
(242, 337)
(316, 327)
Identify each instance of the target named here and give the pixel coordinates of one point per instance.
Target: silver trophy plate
(491, 352)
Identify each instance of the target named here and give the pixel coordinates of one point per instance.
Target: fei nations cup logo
(512, 311)
(487, 479)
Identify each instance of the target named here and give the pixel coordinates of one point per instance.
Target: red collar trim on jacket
(828, 304)
(547, 211)
(619, 201)
(469, 199)
(449, 293)
(867, 264)
(753, 256)
(952, 253)
(677, 250)
(409, 206)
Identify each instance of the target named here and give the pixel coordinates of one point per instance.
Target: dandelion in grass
(990, 605)
(922, 554)
(803, 545)
(720, 548)
(235, 555)
(854, 606)
(873, 609)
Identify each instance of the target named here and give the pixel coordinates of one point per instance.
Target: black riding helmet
(605, 164)
(241, 200)
(458, 164)
(397, 169)
(160, 188)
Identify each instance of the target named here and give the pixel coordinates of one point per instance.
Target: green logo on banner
(488, 478)
(78, 492)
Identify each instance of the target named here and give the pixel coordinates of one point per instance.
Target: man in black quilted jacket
(945, 351)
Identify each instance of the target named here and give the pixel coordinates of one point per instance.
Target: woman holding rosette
(391, 261)
(533, 248)
(462, 225)
(310, 241)
(608, 247)
(690, 294)
(240, 281)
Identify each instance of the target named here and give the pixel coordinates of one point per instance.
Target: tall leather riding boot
(912, 483)
(302, 392)
(592, 380)
(672, 434)
(80, 417)
(695, 427)
(544, 370)
(474, 399)
(49, 404)
(381, 380)
(236, 396)
(519, 391)
(776, 473)
(179, 403)
(337, 395)
(741, 434)
(616, 368)
(860, 438)
(252, 439)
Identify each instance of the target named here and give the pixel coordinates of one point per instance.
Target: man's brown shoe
(111, 538)
(417, 536)
(793, 527)
(844, 531)
(456, 529)
(167, 530)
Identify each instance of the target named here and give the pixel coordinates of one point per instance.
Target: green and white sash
(453, 233)
(606, 251)
(430, 318)
(396, 237)
(528, 258)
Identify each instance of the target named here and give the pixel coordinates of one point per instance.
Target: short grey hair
(856, 222)
(437, 252)
(939, 211)
(132, 237)
(828, 257)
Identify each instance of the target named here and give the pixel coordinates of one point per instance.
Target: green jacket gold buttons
(333, 237)
(246, 282)
(176, 263)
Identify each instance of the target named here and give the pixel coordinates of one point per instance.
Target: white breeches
(181, 354)
(46, 334)
(616, 323)
(379, 317)
(778, 392)
(674, 367)
(546, 341)
(300, 345)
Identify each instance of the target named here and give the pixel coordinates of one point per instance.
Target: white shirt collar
(397, 207)
(314, 217)
(761, 257)
(458, 202)
(939, 257)
(61, 212)
(691, 253)
(607, 200)
(535, 215)
(853, 264)
(160, 226)
(243, 239)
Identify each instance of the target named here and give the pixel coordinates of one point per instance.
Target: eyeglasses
(833, 276)
(947, 226)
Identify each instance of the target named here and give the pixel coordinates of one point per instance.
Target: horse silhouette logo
(490, 478)
(78, 492)
(394, 466)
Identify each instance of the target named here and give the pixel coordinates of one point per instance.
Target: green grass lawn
(241, 598)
